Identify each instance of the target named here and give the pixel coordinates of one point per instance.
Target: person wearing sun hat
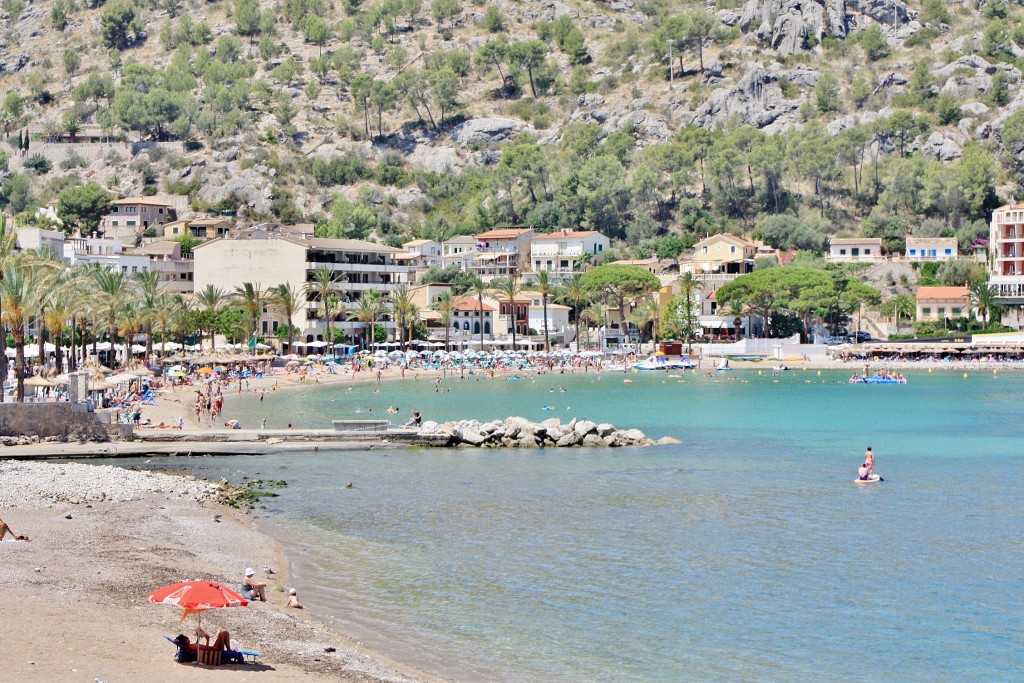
(251, 588)
(293, 599)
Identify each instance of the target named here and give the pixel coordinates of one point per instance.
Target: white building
(855, 250)
(564, 253)
(105, 251)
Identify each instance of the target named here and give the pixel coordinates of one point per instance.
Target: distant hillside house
(932, 248)
(132, 215)
(721, 258)
(942, 303)
(204, 228)
(855, 249)
(502, 252)
(177, 275)
(420, 255)
(87, 134)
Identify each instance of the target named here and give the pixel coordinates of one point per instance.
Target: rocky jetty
(518, 432)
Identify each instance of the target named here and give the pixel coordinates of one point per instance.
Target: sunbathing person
(4, 530)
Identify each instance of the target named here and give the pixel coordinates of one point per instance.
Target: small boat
(871, 479)
(723, 365)
(652, 363)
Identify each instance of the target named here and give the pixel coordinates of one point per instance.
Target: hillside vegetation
(787, 120)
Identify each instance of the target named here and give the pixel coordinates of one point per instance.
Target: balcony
(546, 251)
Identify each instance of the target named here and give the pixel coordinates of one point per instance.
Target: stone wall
(61, 420)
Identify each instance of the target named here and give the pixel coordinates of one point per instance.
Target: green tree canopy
(83, 206)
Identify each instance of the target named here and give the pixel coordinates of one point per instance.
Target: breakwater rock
(518, 432)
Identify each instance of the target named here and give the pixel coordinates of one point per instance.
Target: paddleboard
(873, 479)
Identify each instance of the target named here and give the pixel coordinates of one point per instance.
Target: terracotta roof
(734, 238)
(146, 201)
(417, 243)
(1012, 207)
(942, 293)
(470, 304)
(575, 234)
(504, 233)
(207, 221)
(856, 240)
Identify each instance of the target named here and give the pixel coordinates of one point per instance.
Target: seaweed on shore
(245, 496)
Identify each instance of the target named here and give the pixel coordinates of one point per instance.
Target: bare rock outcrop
(756, 100)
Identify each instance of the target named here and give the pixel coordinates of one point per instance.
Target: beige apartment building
(270, 259)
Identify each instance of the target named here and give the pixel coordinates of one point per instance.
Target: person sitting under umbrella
(221, 644)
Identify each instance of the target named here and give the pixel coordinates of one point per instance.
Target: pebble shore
(103, 537)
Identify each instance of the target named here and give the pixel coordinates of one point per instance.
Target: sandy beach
(103, 538)
(178, 401)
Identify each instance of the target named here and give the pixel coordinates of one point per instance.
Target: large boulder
(942, 146)
(785, 25)
(488, 130)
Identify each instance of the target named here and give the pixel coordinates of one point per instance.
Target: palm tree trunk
(3, 355)
(58, 355)
(19, 364)
(512, 316)
(547, 340)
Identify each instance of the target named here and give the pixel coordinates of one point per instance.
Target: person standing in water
(869, 461)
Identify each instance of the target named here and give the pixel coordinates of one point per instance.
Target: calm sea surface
(746, 553)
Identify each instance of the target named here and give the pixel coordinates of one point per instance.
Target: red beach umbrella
(197, 596)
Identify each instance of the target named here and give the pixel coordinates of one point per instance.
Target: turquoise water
(744, 553)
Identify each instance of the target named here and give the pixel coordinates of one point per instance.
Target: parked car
(832, 341)
(863, 336)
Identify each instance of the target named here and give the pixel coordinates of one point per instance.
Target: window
(956, 312)
(942, 311)
(487, 328)
(926, 311)
(948, 252)
(867, 252)
(476, 327)
(732, 249)
(842, 252)
(913, 252)
(704, 250)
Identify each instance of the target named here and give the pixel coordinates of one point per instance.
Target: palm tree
(59, 310)
(131, 321)
(983, 299)
(401, 301)
(735, 309)
(593, 313)
(688, 287)
(576, 293)
(477, 288)
(112, 291)
(509, 288)
(211, 299)
(378, 307)
(412, 314)
(166, 310)
(365, 313)
(148, 283)
(286, 301)
(648, 312)
(18, 298)
(544, 285)
(899, 306)
(8, 241)
(251, 299)
(322, 286)
(445, 307)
